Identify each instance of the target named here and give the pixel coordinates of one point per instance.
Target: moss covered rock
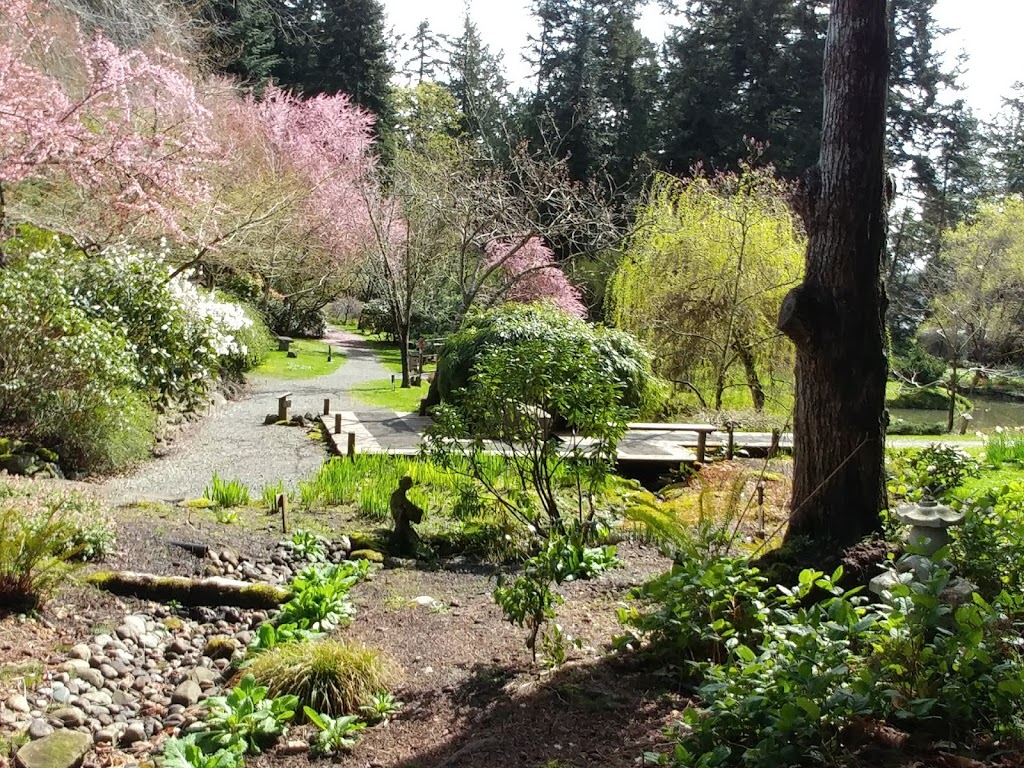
(367, 554)
(61, 749)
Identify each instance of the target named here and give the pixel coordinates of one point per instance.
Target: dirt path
(234, 442)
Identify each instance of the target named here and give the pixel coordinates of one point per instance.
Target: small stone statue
(405, 514)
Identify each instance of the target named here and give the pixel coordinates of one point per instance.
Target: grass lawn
(311, 361)
(379, 393)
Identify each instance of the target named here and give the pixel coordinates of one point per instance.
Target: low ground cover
(309, 362)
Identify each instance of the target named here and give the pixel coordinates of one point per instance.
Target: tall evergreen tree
(477, 81)
(739, 70)
(425, 55)
(245, 40)
(596, 78)
(1006, 138)
(338, 46)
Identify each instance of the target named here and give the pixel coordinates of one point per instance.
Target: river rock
(69, 717)
(39, 729)
(18, 703)
(61, 749)
(186, 694)
(92, 677)
(80, 651)
(135, 731)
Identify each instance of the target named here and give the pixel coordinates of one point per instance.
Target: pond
(988, 414)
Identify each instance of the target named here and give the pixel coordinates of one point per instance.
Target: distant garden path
(234, 442)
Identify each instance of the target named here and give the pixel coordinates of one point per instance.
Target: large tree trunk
(753, 380)
(836, 316)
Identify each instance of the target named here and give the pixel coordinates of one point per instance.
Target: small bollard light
(760, 506)
(392, 382)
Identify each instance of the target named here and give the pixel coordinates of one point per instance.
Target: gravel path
(234, 442)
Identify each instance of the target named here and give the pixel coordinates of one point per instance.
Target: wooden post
(283, 404)
(281, 501)
(702, 445)
(337, 423)
(392, 382)
(328, 353)
(730, 445)
(327, 406)
(352, 445)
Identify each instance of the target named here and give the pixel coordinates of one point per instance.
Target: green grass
(379, 393)
(990, 478)
(311, 362)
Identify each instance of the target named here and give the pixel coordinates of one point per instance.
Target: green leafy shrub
(253, 344)
(226, 493)
(246, 716)
(101, 434)
(932, 471)
(380, 707)
(308, 546)
(334, 734)
(620, 357)
(271, 635)
(529, 601)
(987, 548)
(186, 753)
(330, 676)
(695, 611)
(320, 596)
(918, 365)
(788, 694)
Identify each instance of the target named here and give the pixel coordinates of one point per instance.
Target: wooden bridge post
(283, 404)
(702, 444)
(281, 502)
(352, 445)
(337, 423)
(327, 406)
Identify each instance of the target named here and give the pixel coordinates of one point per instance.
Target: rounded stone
(39, 729)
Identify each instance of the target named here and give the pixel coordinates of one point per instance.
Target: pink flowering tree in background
(529, 273)
(120, 138)
(287, 201)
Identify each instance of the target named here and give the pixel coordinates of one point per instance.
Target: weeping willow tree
(708, 263)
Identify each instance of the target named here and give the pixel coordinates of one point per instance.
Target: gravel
(234, 443)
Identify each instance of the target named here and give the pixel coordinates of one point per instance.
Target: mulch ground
(473, 695)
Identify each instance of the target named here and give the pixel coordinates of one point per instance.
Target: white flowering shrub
(50, 347)
(89, 344)
(178, 332)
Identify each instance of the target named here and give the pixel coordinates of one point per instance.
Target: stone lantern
(929, 522)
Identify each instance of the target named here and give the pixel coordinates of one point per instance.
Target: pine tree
(1006, 138)
(338, 46)
(596, 81)
(476, 80)
(426, 56)
(245, 40)
(741, 70)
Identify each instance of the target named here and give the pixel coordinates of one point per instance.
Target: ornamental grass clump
(335, 677)
(226, 493)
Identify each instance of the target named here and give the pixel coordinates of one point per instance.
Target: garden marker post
(281, 502)
(327, 406)
(283, 404)
(337, 423)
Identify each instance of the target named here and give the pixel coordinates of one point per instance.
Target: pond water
(988, 414)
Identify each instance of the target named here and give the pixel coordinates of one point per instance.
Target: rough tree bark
(836, 316)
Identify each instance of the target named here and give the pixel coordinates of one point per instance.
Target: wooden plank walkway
(400, 434)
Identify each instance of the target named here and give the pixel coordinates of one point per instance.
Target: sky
(987, 30)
